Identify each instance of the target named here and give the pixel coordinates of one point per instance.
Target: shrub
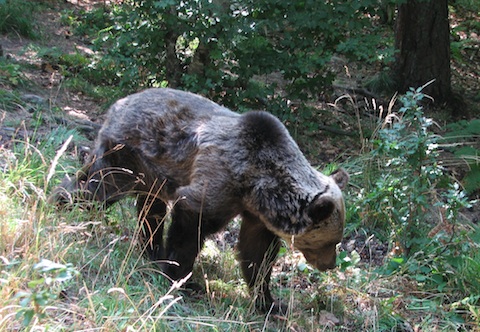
(409, 200)
(462, 139)
(223, 49)
(408, 188)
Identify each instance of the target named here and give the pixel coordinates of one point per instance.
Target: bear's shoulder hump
(263, 127)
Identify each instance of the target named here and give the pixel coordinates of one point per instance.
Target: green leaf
(355, 257)
(25, 302)
(27, 316)
(64, 276)
(302, 266)
(420, 277)
(46, 265)
(41, 299)
(35, 283)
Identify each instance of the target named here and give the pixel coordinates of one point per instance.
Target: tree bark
(173, 65)
(422, 41)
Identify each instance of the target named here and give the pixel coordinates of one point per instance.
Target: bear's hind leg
(185, 239)
(258, 249)
(152, 214)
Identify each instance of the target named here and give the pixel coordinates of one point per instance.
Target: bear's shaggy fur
(212, 164)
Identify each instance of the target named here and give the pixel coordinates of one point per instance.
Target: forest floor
(46, 86)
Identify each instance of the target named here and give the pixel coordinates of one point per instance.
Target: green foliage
(408, 199)
(10, 73)
(447, 270)
(86, 74)
(359, 48)
(97, 18)
(462, 48)
(471, 304)
(445, 262)
(463, 44)
(344, 260)
(462, 139)
(382, 82)
(16, 17)
(410, 180)
(222, 49)
(468, 5)
(9, 100)
(43, 290)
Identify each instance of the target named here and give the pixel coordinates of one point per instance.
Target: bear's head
(327, 213)
(293, 200)
(312, 225)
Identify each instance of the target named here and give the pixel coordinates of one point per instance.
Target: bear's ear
(341, 177)
(321, 209)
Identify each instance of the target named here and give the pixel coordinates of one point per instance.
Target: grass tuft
(16, 17)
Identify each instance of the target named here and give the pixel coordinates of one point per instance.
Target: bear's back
(160, 109)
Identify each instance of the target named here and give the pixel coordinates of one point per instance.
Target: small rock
(33, 99)
(328, 319)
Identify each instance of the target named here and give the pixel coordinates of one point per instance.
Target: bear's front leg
(151, 214)
(184, 241)
(258, 249)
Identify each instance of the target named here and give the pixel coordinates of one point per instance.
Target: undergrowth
(409, 200)
(16, 18)
(82, 269)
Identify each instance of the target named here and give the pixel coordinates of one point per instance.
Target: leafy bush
(220, 49)
(410, 186)
(408, 200)
(10, 73)
(44, 289)
(464, 137)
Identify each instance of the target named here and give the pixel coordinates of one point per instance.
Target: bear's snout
(322, 259)
(323, 266)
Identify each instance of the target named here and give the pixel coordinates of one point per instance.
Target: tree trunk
(173, 65)
(422, 40)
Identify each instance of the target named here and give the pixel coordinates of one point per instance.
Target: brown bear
(211, 164)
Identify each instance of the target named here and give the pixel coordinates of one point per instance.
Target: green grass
(16, 17)
(117, 289)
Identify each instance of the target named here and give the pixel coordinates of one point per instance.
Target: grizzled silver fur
(166, 145)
